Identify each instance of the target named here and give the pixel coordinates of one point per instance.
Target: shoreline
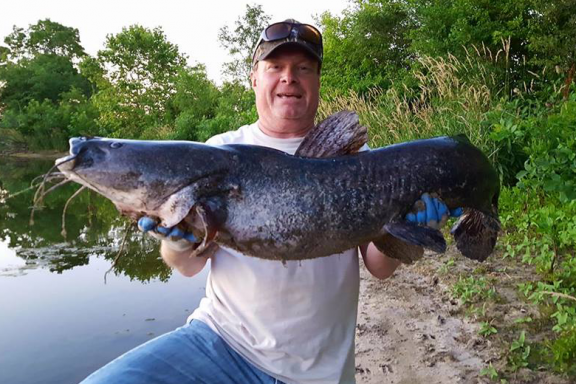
(48, 155)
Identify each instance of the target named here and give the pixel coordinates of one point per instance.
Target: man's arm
(182, 260)
(377, 263)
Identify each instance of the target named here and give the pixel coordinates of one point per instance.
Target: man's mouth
(286, 95)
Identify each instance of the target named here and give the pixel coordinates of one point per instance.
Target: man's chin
(290, 114)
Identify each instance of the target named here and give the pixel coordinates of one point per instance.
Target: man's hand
(173, 238)
(177, 246)
(431, 211)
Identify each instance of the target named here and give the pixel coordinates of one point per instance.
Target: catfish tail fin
(337, 135)
(475, 234)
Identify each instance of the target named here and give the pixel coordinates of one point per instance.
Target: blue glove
(173, 237)
(431, 211)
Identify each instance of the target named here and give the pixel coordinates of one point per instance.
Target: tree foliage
(141, 68)
(241, 42)
(43, 77)
(43, 38)
(139, 85)
(367, 46)
(195, 100)
(41, 88)
(535, 34)
(552, 38)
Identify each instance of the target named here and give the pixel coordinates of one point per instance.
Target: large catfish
(272, 205)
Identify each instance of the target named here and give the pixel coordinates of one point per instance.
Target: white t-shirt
(295, 321)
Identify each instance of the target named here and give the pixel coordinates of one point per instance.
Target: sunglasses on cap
(284, 29)
(288, 31)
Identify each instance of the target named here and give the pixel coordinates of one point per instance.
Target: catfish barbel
(271, 205)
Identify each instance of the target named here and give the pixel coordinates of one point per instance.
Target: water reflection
(93, 228)
(59, 321)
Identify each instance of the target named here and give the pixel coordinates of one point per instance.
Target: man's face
(287, 86)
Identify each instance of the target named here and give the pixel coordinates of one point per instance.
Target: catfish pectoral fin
(418, 235)
(475, 234)
(398, 249)
(177, 207)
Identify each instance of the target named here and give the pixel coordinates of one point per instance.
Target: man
(263, 321)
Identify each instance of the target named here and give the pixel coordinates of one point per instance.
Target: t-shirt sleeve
(231, 137)
(215, 140)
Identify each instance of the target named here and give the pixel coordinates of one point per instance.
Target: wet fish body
(271, 205)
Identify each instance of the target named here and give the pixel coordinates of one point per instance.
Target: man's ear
(253, 79)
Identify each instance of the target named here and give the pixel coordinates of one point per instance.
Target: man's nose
(289, 76)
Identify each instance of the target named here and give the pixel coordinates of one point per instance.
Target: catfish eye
(115, 145)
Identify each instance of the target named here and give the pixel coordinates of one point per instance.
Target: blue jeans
(193, 353)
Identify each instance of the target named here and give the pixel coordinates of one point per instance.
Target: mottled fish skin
(301, 208)
(271, 205)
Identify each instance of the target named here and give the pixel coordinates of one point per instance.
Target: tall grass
(447, 96)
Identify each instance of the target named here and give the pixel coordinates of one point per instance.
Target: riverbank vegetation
(500, 72)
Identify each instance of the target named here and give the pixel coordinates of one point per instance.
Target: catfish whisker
(20, 192)
(66, 207)
(38, 199)
(51, 176)
(46, 176)
(53, 188)
(40, 190)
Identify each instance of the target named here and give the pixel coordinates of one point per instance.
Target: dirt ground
(410, 330)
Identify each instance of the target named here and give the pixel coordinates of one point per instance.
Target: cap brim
(273, 46)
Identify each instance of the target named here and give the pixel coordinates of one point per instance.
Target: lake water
(59, 320)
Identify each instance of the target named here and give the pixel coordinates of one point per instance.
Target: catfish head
(161, 179)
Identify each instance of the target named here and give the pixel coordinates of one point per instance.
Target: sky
(192, 25)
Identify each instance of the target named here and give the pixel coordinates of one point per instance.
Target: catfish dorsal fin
(337, 135)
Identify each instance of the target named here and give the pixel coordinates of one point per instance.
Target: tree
(367, 46)
(42, 94)
(241, 42)
(38, 64)
(43, 38)
(500, 28)
(141, 68)
(538, 33)
(45, 76)
(195, 100)
(552, 38)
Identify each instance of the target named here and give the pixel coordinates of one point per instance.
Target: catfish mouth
(66, 163)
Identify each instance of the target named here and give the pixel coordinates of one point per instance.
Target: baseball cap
(288, 32)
